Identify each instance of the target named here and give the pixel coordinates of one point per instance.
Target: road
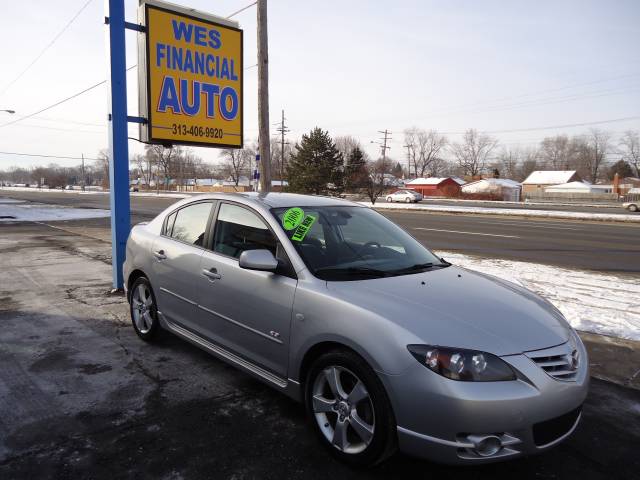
(600, 246)
(81, 396)
(617, 209)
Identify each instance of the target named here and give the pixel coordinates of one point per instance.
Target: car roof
(277, 200)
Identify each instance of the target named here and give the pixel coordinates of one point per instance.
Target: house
(435, 187)
(540, 179)
(502, 188)
(574, 187)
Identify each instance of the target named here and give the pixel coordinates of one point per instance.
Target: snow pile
(608, 304)
(36, 212)
(606, 217)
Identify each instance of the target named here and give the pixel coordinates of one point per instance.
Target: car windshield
(353, 243)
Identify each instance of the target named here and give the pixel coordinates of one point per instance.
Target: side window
(191, 223)
(169, 225)
(237, 229)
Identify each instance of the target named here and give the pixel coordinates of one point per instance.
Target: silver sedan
(388, 345)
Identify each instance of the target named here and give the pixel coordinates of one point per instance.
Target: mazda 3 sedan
(388, 345)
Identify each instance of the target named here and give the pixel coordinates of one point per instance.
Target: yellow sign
(191, 88)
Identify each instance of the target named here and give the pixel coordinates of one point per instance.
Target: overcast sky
(350, 67)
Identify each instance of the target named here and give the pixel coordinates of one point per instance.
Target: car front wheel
(350, 410)
(633, 208)
(389, 199)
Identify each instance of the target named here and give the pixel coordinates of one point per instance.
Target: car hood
(456, 307)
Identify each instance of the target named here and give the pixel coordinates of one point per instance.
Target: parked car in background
(388, 345)
(406, 196)
(632, 206)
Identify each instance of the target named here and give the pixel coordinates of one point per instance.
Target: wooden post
(263, 99)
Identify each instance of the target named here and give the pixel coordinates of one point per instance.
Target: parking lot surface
(82, 397)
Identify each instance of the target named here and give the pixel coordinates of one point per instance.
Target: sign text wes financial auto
(195, 80)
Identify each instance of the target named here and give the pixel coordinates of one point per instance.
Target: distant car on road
(134, 189)
(407, 196)
(388, 345)
(632, 206)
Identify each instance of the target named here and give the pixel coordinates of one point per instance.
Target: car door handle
(159, 254)
(211, 274)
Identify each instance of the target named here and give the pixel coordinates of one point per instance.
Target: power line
(46, 156)
(241, 10)
(60, 102)
(585, 124)
(47, 47)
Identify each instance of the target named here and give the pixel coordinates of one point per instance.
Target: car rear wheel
(407, 200)
(350, 410)
(144, 310)
(633, 208)
(389, 199)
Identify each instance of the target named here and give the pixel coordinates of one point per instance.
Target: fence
(571, 197)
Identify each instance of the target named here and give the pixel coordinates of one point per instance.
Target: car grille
(559, 362)
(550, 430)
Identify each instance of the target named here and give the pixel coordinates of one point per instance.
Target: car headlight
(461, 364)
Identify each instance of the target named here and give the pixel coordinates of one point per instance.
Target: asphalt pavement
(600, 246)
(81, 396)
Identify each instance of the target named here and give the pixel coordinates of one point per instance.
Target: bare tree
(630, 141)
(556, 152)
(472, 153)
(165, 159)
(102, 164)
(143, 164)
(374, 184)
(598, 142)
(429, 143)
(235, 163)
(345, 145)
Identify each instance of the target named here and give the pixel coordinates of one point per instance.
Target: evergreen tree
(356, 174)
(396, 171)
(316, 166)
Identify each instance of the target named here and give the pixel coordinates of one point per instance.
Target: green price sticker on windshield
(292, 218)
(303, 228)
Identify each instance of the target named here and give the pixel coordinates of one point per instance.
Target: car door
(177, 255)
(246, 311)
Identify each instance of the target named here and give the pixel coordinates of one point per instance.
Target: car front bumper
(446, 421)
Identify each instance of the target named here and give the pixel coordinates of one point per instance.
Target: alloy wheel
(142, 308)
(343, 409)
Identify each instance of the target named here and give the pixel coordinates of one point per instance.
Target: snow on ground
(17, 211)
(608, 304)
(608, 217)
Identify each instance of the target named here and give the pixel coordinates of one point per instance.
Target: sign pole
(118, 147)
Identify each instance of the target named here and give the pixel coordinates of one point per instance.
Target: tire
(633, 208)
(389, 199)
(407, 200)
(143, 310)
(356, 423)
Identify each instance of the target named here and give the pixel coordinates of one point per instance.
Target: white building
(508, 190)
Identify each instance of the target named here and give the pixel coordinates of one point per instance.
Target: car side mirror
(262, 260)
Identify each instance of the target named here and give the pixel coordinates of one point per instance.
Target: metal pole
(263, 98)
(118, 147)
(83, 176)
(282, 153)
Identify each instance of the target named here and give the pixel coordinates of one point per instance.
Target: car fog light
(488, 446)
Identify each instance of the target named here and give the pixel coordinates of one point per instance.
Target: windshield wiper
(348, 271)
(419, 267)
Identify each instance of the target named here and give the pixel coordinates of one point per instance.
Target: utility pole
(408, 147)
(83, 177)
(263, 98)
(383, 144)
(283, 130)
